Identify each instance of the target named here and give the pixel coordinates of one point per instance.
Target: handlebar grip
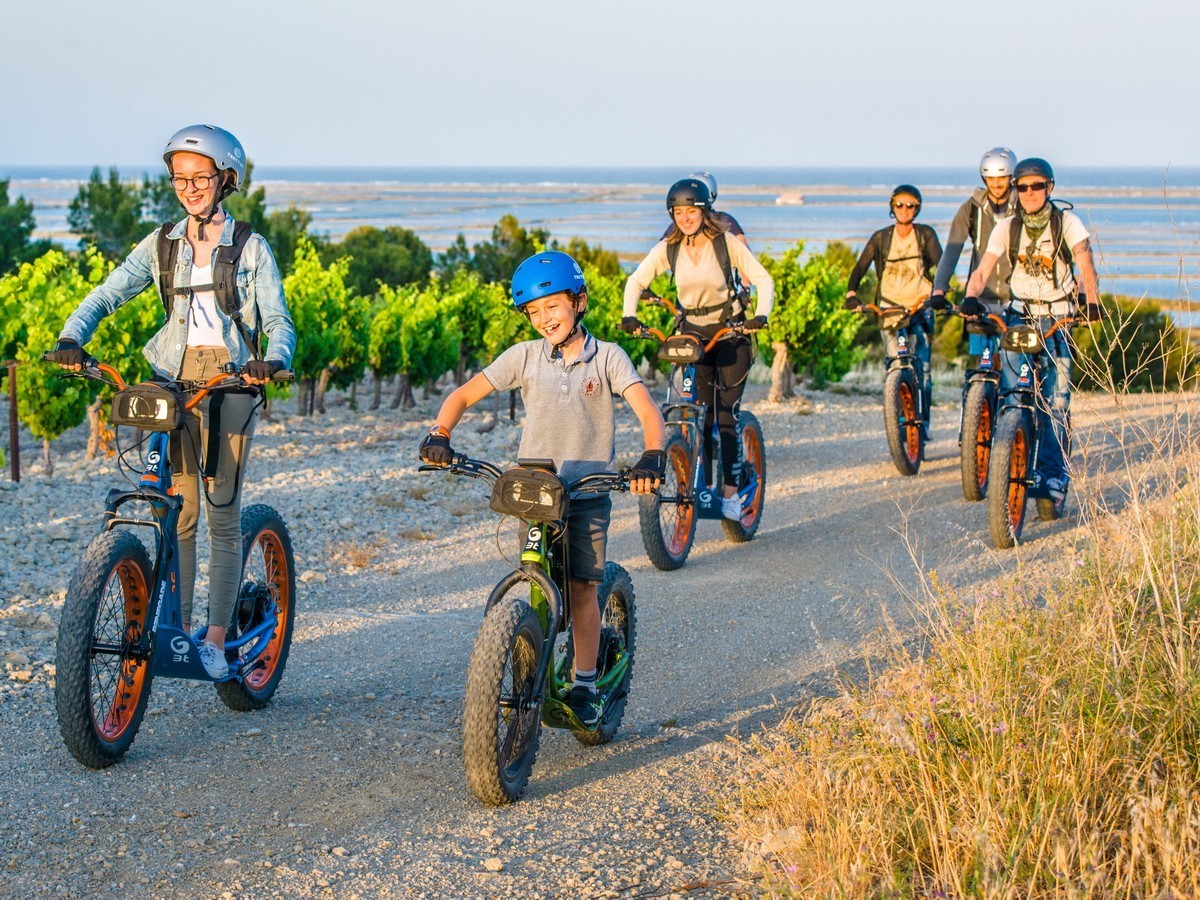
(284, 375)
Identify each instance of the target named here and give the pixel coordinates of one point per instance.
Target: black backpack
(721, 249)
(1061, 251)
(224, 277)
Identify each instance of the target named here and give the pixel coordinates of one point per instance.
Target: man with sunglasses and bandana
(905, 256)
(1044, 245)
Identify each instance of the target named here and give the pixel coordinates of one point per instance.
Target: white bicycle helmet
(998, 162)
(216, 143)
(707, 178)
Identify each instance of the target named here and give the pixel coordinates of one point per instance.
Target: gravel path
(350, 782)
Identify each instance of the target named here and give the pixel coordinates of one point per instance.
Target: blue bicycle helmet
(544, 274)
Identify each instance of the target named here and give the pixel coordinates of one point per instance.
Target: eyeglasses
(904, 206)
(1036, 186)
(199, 182)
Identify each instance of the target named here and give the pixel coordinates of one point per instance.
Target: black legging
(727, 364)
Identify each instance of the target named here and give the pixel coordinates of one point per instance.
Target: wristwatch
(438, 430)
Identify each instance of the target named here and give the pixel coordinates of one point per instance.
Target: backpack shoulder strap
(1014, 241)
(168, 252)
(721, 249)
(225, 283)
(672, 257)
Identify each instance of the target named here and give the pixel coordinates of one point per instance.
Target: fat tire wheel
(900, 421)
(754, 455)
(1008, 474)
(978, 425)
(668, 528)
(501, 720)
(618, 636)
(101, 697)
(268, 575)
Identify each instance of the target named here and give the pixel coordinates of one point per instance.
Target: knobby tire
(1008, 475)
(101, 686)
(900, 421)
(668, 518)
(977, 427)
(754, 458)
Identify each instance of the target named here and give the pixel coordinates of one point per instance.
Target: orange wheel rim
(1016, 479)
(912, 428)
(983, 445)
(275, 574)
(681, 525)
(116, 690)
(752, 455)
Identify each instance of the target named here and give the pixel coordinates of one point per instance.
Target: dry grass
(1045, 747)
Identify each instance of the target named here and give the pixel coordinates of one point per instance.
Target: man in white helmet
(975, 219)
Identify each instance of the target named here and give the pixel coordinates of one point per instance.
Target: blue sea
(1145, 221)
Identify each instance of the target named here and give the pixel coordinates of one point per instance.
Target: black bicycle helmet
(689, 192)
(908, 189)
(1033, 166)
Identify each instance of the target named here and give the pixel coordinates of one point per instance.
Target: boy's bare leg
(585, 619)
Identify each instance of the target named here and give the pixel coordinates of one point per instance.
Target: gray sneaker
(731, 508)
(213, 659)
(1056, 488)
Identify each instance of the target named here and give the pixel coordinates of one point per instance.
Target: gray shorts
(587, 524)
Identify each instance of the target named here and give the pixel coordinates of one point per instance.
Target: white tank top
(204, 322)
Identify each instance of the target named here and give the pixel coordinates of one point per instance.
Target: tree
(809, 332)
(159, 199)
(455, 258)
(34, 303)
(286, 230)
(108, 214)
(16, 229)
(393, 256)
(316, 298)
(603, 261)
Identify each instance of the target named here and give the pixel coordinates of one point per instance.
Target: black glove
(653, 464)
(1094, 312)
(630, 324)
(435, 447)
(756, 323)
(852, 303)
(972, 307)
(67, 353)
(939, 302)
(261, 369)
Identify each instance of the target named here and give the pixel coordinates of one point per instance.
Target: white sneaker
(731, 508)
(213, 658)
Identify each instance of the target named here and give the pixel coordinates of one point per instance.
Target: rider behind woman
(708, 300)
(1043, 243)
(197, 339)
(905, 256)
(976, 219)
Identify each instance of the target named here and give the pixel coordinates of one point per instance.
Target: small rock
(493, 865)
(309, 576)
(339, 851)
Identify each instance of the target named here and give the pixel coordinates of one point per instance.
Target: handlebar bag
(148, 406)
(530, 494)
(681, 349)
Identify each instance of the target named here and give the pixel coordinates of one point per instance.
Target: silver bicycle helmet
(216, 143)
(708, 179)
(998, 162)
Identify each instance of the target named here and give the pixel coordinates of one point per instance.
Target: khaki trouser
(223, 506)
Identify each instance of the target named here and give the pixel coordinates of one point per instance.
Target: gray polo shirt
(568, 406)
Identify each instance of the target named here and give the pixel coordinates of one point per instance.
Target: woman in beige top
(708, 299)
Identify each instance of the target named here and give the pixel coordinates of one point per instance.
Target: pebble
(493, 864)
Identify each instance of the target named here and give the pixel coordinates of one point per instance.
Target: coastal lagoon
(1145, 221)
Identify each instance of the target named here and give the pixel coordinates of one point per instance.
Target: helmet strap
(556, 350)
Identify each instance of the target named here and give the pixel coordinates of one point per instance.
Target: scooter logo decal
(179, 649)
(533, 538)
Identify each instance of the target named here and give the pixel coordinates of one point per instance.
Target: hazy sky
(607, 82)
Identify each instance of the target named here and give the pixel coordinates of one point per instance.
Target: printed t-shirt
(1032, 277)
(904, 282)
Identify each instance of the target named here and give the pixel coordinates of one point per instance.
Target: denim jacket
(259, 286)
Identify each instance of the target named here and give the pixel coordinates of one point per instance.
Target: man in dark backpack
(975, 220)
(905, 256)
(1042, 244)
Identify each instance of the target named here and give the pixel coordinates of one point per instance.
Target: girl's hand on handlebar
(755, 324)
(631, 324)
(435, 447)
(852, 303)
(67, 354)
(260, 371)
(939, 302)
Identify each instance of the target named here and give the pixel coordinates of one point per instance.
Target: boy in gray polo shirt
(568, 380)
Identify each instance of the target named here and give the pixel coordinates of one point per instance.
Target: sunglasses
(1036, 186)
(904, 206)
